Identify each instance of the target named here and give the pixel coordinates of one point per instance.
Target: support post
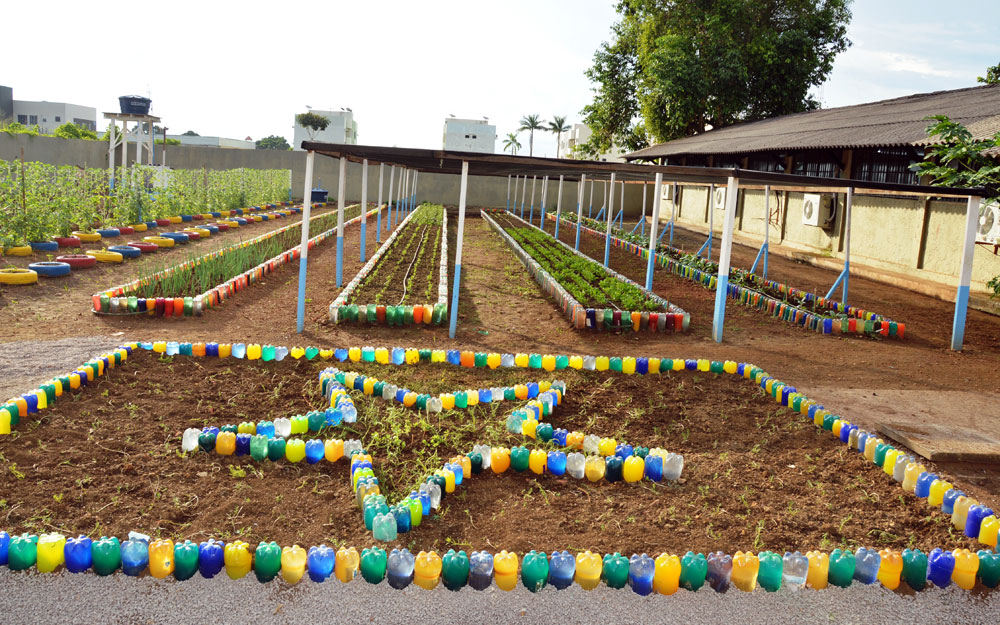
(607, 231)
(516, 178)
(711, 220)
(112, 134)
(545, 191)
(590, 208)
(378, 215)
(524, 192)
(341, 191)
(673, 210)
(388, 206)
(722, 282)
(652, 227)
(531, 213)
(965, 274)
(364, 206)
(581, 189)
(416, 174)
(453, 313)
(300, 311)
(508, 193)
(762, 252)
(621, 218)
(845, 273)
(558, 206)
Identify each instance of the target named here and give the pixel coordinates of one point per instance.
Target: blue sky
(226, 68)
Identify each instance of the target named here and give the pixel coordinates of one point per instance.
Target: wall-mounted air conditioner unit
(989, 223)
(817, 210)
(719, 198)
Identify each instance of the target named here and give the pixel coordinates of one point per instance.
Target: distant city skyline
(406, 67)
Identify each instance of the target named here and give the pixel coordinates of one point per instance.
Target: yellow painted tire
(204, 232)
(232, 224)
(104, 256)
(87, 237)
(226, 213)
(19, 250)
(140, 227)
(16, 275)
(257, 218)
(160, 241)
(176, 219)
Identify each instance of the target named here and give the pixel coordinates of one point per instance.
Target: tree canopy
(674, 68)
(273, 142)
(992, 76)
(312, 122)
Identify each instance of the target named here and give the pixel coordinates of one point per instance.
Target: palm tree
(511, 143)
(531, 123)
(558, 125)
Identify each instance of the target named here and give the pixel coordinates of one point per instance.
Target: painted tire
(186, 218)
(144, 246)
(191, 235)
(176, 219)
(178, 237)
(212, 229)
(77, 261)
(197, 217)
(149, 224)
(241, 221)
(105, 256)
(160, 241)
(87, 237)
(163, 222)
(44, 246)
(16, 275)
(126, 230)
(140, 227)
(51, 269)
(221, 226)
(20, 250)
(68, 241)
(201, 230)
(109, 233)
(127, 251)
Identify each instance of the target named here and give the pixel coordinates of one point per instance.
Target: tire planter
(163, 222)
(20, 250)
(149, 224)
(109, 233)
(141, 227)
(44, 246)
(55, 269)
(127, 251)
(222, 227)
(87, 237)
(77, 261)
(126, 230)
(212, 229)
(17, 276)
(178, 237)
(105, 256)
(241, 221)
(216, 214)
(192, 235)
(176, 219)
(68, 241)
(203, 231)
(187, 217)
(160, 241)
(144, 246)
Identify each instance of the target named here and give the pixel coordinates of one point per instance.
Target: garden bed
(795, 306)
(591, 295)
(758, 475)
(213, 277)
(406, 281)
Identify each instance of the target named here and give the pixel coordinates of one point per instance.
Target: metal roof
(480, 164)
(896, 122)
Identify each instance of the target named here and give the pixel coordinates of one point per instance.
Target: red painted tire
(68, 241)
(126, 229)
(163, 222)
(77, 261)
(145, 246)
(221, 227)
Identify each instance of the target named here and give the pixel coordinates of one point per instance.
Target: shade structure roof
(450, 162)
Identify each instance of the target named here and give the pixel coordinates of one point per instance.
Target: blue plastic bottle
(135, 555)
(640, 574)
(653, 468)
(720, 571)
(940, 565)
(481, 570)
(866, 564)
(562, 568)
(77, 554)
(315, 450)
(211, 557)
(320, 562)
(400, 568)
(924, 481)
(948, 502)
(4, 547)
(556, 463)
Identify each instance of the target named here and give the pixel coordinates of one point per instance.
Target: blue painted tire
(109, 233)
(51, 269)
(239, 211)
(186, 218)
(212, 229)
(151, 224)
(241, 221)
(45, 246)
(127, 251)
(178, 237)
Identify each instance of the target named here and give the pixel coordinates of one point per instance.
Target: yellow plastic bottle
(427, 570)
(254, 351)
(492, 360)
(938, 489)
(574, 440)
(602, 363)
(161, 558)
(654, 365)
(588, 570)
(606, 447)
(678, 364)
(225, 350)
(633, 469)
(529, 427)
(988, 531)
(333, 449)
(237, 559)
(705, 365)
(354, 353)
(730, 367)
(819, 568)
(889, 464)
(960, 512)
(594, 468)
(521, 360)
(890, 568)
(521, 391)
(293, 563)
(159, 347)
(536, 461)
(966, 566)
(381, 355)
(628, 365)
(576, 362)
(549, 362)
(447, 401)
(295, 450)
(346, 563)
(666, 577)
(438, 355)
(745, 567)
(51, 552)
(913, 471)
(449, 479)
(499, 459)
(505, 570)
(412, 356)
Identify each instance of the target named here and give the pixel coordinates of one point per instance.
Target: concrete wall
(912, 237)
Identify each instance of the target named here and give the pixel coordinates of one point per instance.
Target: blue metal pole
(760, 253)
(607, 227)
(559, 207)
(453, 313)
(581, 189)
(722, 280)
(378, 215)
(660, 238)
(652, 230)
(965, 274)
(364, 206)
(300, 309)
(531, 213)
(341, 193)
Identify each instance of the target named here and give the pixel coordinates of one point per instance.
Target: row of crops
(39, 201)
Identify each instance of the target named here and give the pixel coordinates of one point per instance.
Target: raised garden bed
(213, 277)
(766, 470)
(406, 281)
(591, 296)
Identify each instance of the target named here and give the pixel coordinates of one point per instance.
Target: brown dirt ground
(426, 270)
(755, 476)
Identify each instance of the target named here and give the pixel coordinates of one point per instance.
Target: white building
(581, 133)
(342, 129)
(214, 142)
(469, 135)
(50, 115)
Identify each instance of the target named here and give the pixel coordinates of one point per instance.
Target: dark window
(22, 119)
(818, 164)
(58, 119)
(32, 119)
(767, 162)
(726, 162)
(44, 120)
(885, 165)
(89, 124)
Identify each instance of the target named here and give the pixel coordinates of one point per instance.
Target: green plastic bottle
(769, 571)
(275, 451)
(615, 570)
(267, 561)
(535, 361)
(841, 570)
(694, 568)
(106, 554)
(22, 552)
(185, 560)
(915, 568)
(519, 458)
(615, 364)
(455, 569)
(373, 564)
(989, 568)
(535, 570)
(258, 447)
(544, 432)
(476, 460)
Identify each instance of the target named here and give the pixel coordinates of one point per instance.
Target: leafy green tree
(69, 130)
(992, 76)
(558, 125)
(273, 142)
(958, 160)
(312, 122)
(191, 133)
(674, 68)
(531, 123)
(511, 143)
